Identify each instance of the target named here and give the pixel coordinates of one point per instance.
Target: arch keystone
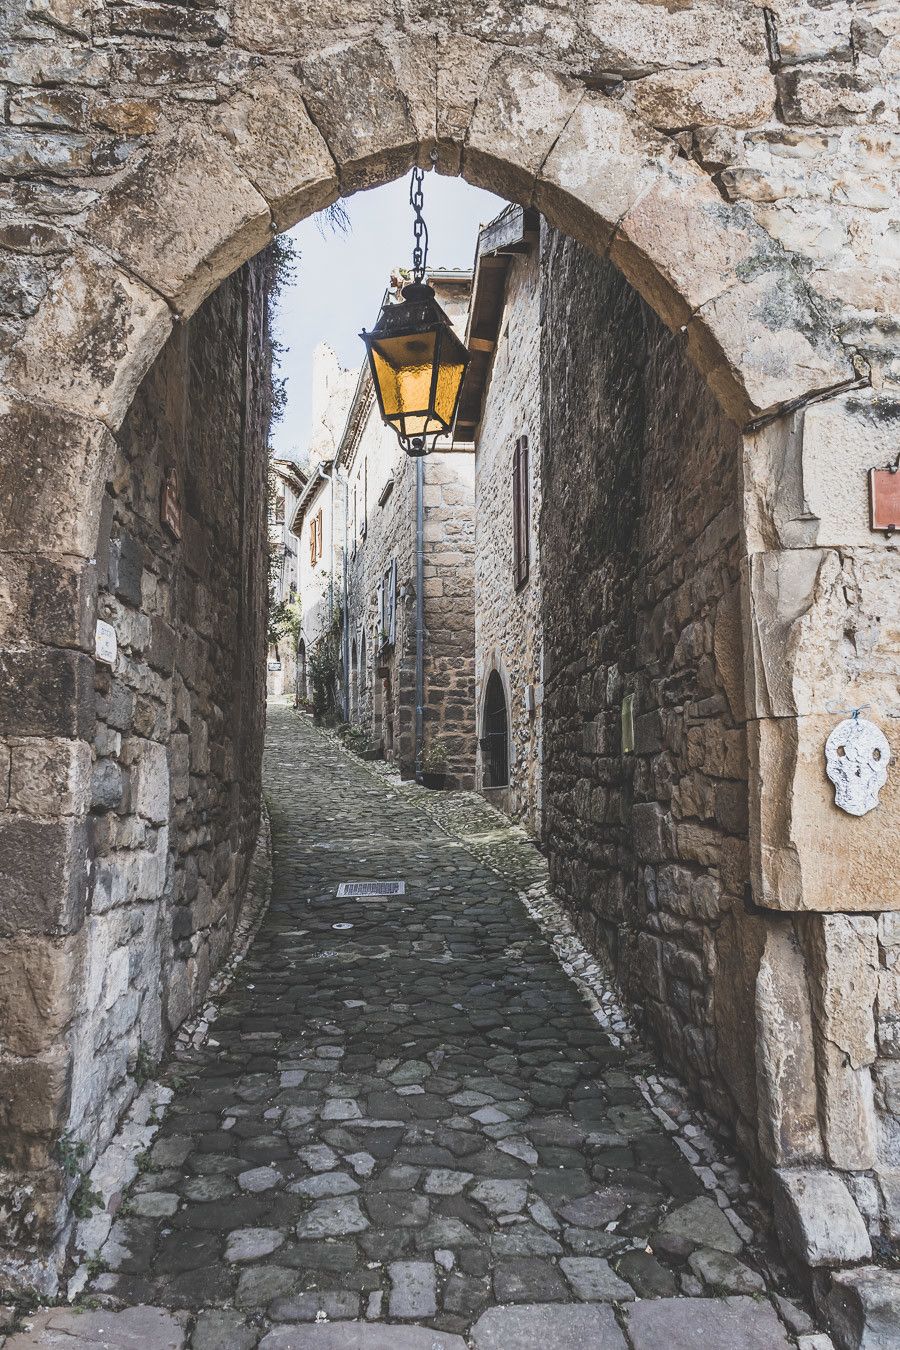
(358, 102)
(183, 219)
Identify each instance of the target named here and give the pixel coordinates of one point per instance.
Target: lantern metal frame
(418, 314)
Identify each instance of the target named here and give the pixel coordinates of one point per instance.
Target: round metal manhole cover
(342, 926)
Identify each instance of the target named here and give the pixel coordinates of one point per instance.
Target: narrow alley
(407, 1118)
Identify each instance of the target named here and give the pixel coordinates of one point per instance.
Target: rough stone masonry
(736, 162)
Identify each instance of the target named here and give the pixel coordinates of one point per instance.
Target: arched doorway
(197, 201)
(494, 741)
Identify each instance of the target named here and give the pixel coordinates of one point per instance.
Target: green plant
(434, 760)
(145, 1066)
(69, 1153)
(85, 1200)
(323, 665)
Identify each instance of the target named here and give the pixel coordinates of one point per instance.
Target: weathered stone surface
(685, 98)
(785, 1054)
(193, 239)
(138, 1328)
(340, 89)
(38, 985)
(43, 881)
(681, 1324)
(89, 344)
(413, 1289)
(698, 1224)
(592, 1279)
(864, 1308)
(531, 1326)
(817, 1219)
(518, 117)
(359, 1336)
(279, 148)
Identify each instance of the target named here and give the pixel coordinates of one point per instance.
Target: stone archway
(306, 115)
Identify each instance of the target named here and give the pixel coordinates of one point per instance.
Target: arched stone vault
(182, 151)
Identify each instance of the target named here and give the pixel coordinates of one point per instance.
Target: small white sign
(274, 665)
(106, 646)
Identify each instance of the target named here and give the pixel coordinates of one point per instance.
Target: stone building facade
(734, 162)
(97, 970)
(381, 610)
(287, 482)
(503, 388)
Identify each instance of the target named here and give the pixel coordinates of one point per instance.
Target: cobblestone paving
(406, 1128)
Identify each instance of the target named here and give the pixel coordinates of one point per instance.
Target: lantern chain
(420, 229)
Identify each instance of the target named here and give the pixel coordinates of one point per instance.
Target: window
(386, 607)
(315, 539)
(521, 522)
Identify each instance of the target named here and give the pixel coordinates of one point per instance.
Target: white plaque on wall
(106, 646)
(856, 760)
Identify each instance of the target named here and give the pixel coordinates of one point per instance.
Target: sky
(339, 279)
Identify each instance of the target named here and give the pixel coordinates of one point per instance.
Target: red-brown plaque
(884, 498)
(170, 504)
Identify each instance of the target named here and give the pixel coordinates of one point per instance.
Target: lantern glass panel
(403, 369)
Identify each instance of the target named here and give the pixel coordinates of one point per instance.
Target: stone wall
(640, 557)
(171, 750)
(508, 628)
(382, 496)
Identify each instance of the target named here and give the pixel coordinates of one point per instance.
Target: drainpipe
(345, 609)
(420, 610)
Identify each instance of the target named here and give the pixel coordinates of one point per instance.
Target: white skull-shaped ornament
(856, 760)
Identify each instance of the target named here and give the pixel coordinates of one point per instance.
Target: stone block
(150, 780)
(60, 153)
(206, 218)
(340, 90)
(46, 692)
(49, 461)
(788, 1124)
(86, 350)
(519, 116)
(630, 38)
(138, 1328)
(596, 170)
(656, 246)
(43, 875)
(261, 26)
(828, 98)
(842, 439)
(531, 1326)
(674, 99)
(763, 343)
(818, 1223)
(38, 979)
(361, 1336)
(34, 1099)
(806, 853)
(739, 1322)
(864, 1308)
(50, 777)
(47, 600)
(279, 148)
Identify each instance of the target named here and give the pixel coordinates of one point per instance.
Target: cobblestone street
(408, 1129)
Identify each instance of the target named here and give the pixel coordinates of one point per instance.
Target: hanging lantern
(416, 359)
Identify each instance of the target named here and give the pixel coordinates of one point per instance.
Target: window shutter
(392, 602)
(312, 543)
(319, 549)
(379, 610)
(521, 538)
